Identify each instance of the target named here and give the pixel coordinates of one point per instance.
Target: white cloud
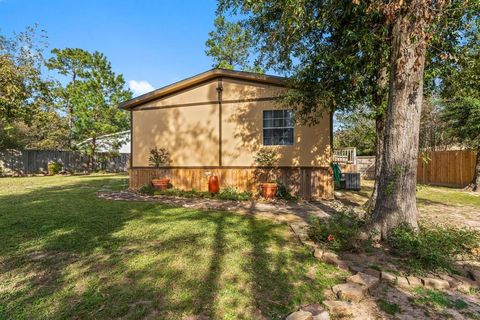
(140, 87)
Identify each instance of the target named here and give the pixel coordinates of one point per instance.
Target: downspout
(219, 93)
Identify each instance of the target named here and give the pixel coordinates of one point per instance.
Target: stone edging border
(365, 279)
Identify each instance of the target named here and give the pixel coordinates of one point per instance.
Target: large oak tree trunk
(475, 184)
(396, 198)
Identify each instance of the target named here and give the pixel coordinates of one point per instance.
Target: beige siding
(242, 137)
(242, 90)
(191, 133)
(196, 94)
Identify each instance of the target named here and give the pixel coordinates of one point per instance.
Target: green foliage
(434, 247)
(437, 299)
(356, 129)
(147, 189)
(229, 45)
(230, 193)
(388, 307)
(267, 157)
(340, 232)
(183, 193)
(24, 93)
(54, 167)
(91, 96)
(283, 193)
(159, 157)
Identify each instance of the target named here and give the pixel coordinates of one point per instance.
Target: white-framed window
(277, 127)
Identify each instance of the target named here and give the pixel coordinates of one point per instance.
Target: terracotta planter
(161, 184)
(213, 184)
(269, 190)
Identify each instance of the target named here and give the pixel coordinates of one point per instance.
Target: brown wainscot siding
(306, 183)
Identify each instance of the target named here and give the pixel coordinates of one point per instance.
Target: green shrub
(283, 193)
(434, 247)
(230, 193)
(54, 167)
(340, 232)
(183, 193)
(147, 189)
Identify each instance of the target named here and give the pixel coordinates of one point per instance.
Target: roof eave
(204, 76)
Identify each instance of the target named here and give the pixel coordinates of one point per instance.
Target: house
(215, 122)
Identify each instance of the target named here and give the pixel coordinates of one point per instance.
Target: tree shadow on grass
(67, 254)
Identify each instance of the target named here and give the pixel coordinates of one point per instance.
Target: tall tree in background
(229, 46)
(70, 63)
(356, 129)
(23, 92)
(94, 100)
(461, 99)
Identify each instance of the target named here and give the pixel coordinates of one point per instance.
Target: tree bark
(380, 130)
(396, 198)
(475, 184)
(378, 100)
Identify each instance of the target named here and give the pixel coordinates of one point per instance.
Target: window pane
(278, 123)
(278, 113)
(267, 137)
(278, 127)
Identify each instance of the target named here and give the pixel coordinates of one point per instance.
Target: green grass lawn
(447, 196)
(65, 254)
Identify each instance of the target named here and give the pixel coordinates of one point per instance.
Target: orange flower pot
(213, 184)
(269, 190)
(161, 184)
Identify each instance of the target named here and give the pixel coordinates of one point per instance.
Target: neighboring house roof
(119, 141)
(204, 76)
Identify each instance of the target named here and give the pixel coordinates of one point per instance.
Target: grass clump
(230, 193)
(283, 193)
(437, 299)
(388, 307)
(147, 189)
(341, 232)
(434, 247)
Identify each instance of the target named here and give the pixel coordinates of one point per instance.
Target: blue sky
(158, 42)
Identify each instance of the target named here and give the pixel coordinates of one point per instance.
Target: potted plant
(268, 158)
(159, 157)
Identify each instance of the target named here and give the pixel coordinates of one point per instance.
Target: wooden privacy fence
(447, 168)
(16, 162)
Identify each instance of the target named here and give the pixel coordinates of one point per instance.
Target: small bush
(434, 247)
(283, 193)
(230, 193)
(159, 157)
(54, 167)
(147, 189)
(340, 232)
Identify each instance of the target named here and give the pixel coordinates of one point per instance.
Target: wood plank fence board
(16, 162)
(453, 168)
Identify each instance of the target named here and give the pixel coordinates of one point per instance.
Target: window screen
(277, 127)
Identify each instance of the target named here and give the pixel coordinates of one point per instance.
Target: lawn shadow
(68, 254)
